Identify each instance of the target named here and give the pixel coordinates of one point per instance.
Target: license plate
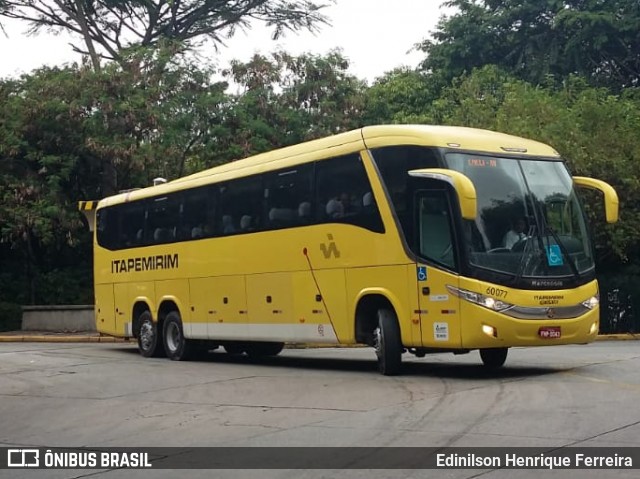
(549, 332)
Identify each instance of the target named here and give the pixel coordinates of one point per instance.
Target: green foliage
(10, 316)
(402, 96)
(74, 134)
(284, 100)
(533, 39)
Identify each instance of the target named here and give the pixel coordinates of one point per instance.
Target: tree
(532, 39)
(287, 99)
(402, 96)
(109, 28)
(74, 134)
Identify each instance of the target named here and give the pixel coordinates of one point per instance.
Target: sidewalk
(89, 337)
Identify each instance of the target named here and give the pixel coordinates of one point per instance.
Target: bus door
(436, 268)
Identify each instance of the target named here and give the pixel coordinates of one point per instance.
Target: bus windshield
(529, 222)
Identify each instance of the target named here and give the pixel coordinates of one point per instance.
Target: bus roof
(453, 137)
(464, 138)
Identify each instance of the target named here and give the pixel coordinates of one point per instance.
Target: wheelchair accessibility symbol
(554, 255)
(422, 273)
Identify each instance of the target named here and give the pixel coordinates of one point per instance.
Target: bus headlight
(592, 302)
(477, 298)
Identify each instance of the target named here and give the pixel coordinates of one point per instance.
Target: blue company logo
(554, 255)
(422, 273)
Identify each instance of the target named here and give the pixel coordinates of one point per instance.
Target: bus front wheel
(493, 358)
(149, 344)
(387, 343)
(177, 347)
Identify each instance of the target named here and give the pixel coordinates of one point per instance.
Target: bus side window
(394, 163)
(195, 211)
(241, 206)
(107, 227)
(342, 189)
(132, 220)
(287, 195)
(163, 219)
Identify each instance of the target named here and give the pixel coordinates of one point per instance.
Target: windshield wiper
(526, 256)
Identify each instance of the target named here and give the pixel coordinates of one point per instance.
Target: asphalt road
(99, 395)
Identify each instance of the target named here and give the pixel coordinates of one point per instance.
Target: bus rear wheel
(493, 358)
(387, 343)
(177, 347)
(149, 344)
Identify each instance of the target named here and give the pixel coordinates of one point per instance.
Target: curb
(618, 337)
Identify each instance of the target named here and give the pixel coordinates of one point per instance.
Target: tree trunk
(82, 21)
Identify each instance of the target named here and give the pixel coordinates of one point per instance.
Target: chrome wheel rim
(173, 337)
(146, 335)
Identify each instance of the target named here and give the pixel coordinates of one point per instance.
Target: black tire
(493, 358)
(177, 347)
(387, 343)
(263, 349)
(149, 340)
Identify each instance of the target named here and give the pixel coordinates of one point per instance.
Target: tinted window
(289, 197)
(394, 163)
(344, 193)
(108, 227)
(198, 220)
(241, 206)
(334, 190)
(163, 219)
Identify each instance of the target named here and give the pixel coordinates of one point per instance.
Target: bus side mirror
(611, 203)
(88, 209)
(465, 190)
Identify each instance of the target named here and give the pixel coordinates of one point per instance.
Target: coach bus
(397, 237)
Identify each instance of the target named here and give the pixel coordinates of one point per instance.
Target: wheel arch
(166, 305)
(367, 303)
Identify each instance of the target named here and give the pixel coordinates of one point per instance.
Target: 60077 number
(496, 292)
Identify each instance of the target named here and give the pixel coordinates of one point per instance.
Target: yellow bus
(406, 238)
